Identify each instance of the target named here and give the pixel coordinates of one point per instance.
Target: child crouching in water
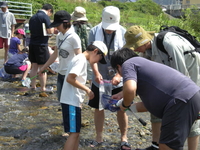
(74, 89)
(18, 64)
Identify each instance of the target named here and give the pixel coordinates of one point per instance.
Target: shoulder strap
(63, 41)
(159, 41)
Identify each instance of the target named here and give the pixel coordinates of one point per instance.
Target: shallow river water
(31, 122)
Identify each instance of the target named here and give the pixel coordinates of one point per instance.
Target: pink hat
(21, 31)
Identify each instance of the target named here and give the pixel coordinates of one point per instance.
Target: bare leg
(156, 126)
(27, 70)
(72, 142)
(6, 54)
(43, 79)
(33, 72)
(122, 119)
(193, 143)
(164, 147)
(99, 122)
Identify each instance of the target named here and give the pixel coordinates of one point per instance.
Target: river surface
(31, 122)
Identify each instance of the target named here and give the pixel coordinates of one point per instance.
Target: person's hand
(53, 47)
(41, 71)
(90, 94)
(55, 31)
(98, 78)
(116, 79)
(117, 96)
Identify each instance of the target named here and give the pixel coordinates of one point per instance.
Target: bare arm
(50, 31)
(12, 30)
(77, 51)
(97, 74)
(129, 93)
(71, 79)
(19, 47)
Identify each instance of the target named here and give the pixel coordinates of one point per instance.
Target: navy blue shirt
(35, 27)
(158, 85)
(17, 60)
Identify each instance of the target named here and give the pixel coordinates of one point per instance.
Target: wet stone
(31, 122)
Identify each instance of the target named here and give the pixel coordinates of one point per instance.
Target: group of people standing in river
(168, 89)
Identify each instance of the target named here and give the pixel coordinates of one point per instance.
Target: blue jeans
(60, 81)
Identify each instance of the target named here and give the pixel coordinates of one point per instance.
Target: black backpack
(164, 29)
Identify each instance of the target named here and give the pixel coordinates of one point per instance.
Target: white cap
(79, 14)
(110, 18)
(103, 48)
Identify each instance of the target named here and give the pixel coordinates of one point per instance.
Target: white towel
(118, 39)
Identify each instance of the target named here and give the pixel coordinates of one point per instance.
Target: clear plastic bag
(105, 87)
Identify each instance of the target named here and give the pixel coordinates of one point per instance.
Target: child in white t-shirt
(74, 89)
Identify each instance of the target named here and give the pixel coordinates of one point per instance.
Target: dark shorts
(71, 118)
(13, 70)
(3, 42)
(177, 122)
(60, 81)
(38, 54)
(95, 101)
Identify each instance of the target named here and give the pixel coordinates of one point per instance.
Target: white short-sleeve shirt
(66, 49)
(70, 94)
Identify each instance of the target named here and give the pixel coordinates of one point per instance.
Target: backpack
(83, 29)
(164, 29)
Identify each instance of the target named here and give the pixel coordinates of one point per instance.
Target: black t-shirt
(36, 29)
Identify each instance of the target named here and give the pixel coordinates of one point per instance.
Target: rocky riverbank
(31, 122)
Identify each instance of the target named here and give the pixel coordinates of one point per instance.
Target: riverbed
(31, 122)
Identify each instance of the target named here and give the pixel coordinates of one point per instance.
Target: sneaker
(49, 89)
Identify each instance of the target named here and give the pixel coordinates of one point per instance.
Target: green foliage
(145, 13)
(143, 6)
(147, 7)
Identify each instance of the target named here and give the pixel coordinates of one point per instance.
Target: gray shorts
(178, 120)
(194, 131)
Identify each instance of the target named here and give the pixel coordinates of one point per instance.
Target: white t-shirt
(66, 49)
(70, 94)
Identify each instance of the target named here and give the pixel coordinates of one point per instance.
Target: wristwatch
(125, 106)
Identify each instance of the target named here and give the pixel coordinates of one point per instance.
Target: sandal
(125, 144)
(95, 143)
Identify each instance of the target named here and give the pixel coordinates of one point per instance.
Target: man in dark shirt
(39, 26)
(164, 91)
